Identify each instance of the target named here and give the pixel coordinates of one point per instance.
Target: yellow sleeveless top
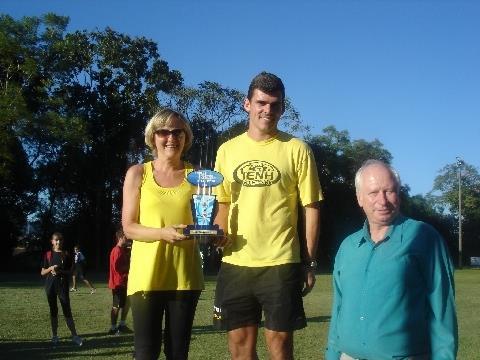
(159, 265)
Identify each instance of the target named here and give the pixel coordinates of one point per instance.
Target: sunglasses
(165, 132)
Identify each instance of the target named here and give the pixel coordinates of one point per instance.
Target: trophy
(204, 205)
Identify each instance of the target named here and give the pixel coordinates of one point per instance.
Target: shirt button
(362, 318)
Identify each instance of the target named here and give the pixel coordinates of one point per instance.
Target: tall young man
(268, 174)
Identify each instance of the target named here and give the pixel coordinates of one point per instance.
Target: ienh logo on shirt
(256, 173)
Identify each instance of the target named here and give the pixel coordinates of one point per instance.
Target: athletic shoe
(124, 329)
(77, 340)
(73, 289)
(93, 291)
(112, 331)
(54, 340)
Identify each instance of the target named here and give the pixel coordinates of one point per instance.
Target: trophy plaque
(204, 204)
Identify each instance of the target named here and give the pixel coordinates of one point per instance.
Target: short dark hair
(268, 83)
(58, 235)
(119, 234)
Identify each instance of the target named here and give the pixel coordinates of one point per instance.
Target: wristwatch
(312, 264)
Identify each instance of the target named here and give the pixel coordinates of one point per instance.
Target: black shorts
(78, 271)
(119, 296)
(243, 292)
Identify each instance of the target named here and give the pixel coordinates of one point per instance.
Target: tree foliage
(73, 108)
(445, 200)
(445, 190)
(78, 103)
(211, 110)
(216, 114)
(338, 158)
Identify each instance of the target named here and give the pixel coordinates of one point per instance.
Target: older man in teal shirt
(393, 281)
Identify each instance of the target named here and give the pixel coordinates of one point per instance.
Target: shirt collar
(366, 233)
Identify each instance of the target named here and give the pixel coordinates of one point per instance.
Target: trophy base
(203, 233)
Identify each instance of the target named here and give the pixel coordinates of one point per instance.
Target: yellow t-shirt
(159, 265)
(264, 182)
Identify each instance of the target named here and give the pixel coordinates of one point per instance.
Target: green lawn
(25, 329)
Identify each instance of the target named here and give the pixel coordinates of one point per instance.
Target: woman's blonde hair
(161, 119)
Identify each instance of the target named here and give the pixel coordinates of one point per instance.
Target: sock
(122, 323)
(113, 327)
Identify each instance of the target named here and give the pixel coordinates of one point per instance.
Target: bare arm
(311, 219)
(311, 224)
(50, 269)
(130, 213)
(221, 219)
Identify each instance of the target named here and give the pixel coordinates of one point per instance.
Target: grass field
(25, 330)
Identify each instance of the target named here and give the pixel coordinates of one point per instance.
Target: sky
(405, 72)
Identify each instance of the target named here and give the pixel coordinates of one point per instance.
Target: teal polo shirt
(395, 298)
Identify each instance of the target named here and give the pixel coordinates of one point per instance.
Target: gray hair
(374, 162)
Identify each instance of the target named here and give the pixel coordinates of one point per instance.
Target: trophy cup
(204, 205)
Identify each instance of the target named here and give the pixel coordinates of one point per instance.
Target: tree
(216, 114)
(113, 90)
(338, 158)
(444, 197)
(19, 85)
(80, 104)
(74, 106)
(211, 110)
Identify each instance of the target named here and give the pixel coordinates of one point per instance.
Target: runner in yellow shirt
(267, 174)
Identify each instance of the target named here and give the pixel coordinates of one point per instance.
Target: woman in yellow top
(165, 269)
